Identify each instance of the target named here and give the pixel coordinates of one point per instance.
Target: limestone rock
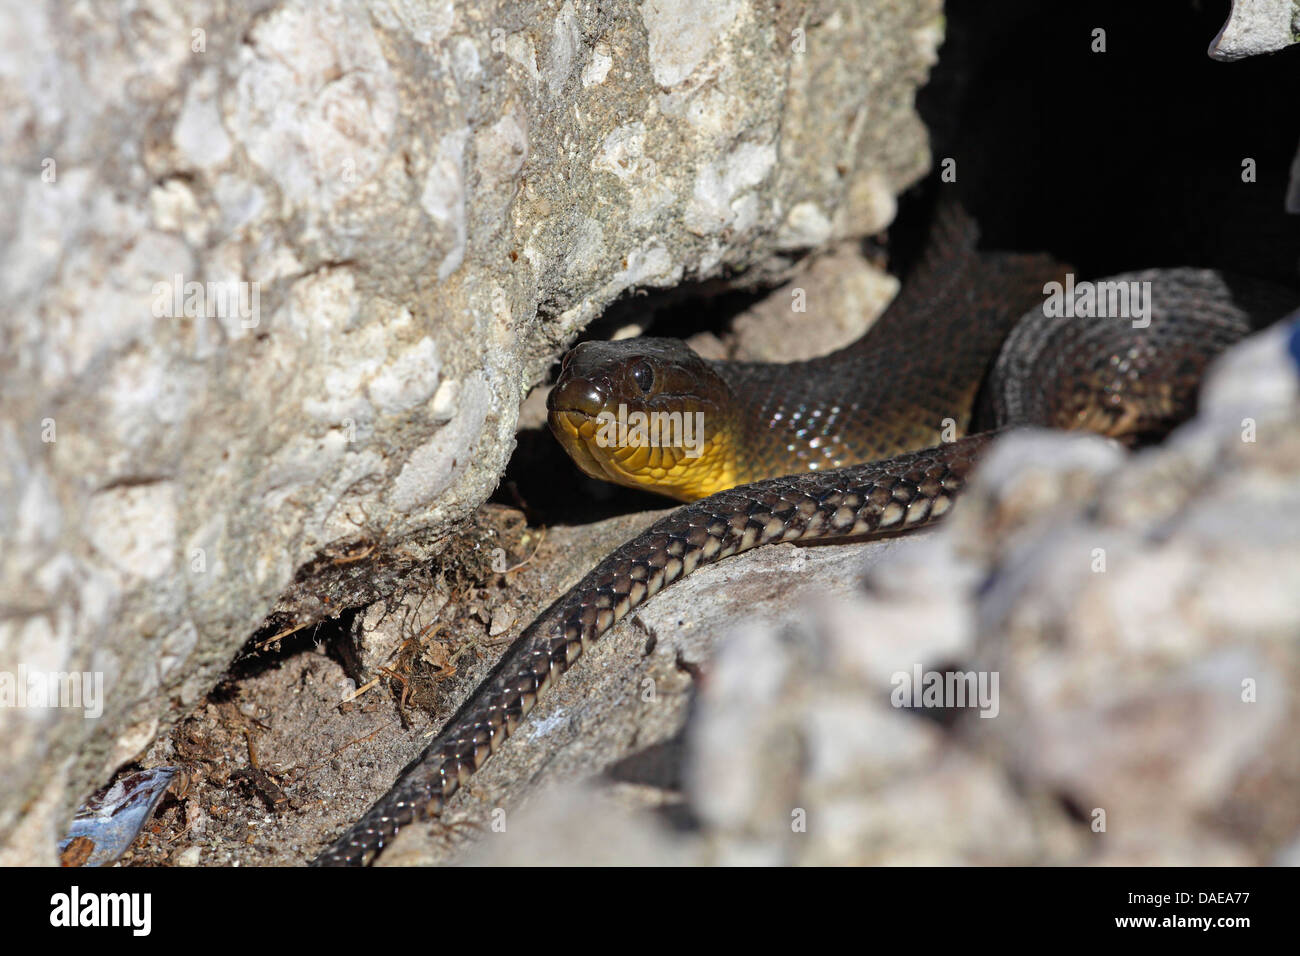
(278, 279)
(1254, 27)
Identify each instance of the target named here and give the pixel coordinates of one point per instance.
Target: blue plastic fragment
(113, 817)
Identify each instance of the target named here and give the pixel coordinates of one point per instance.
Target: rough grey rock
(395, 214)
(828, 305)
(1254, 27)
(1140, 613)
(1147, 644)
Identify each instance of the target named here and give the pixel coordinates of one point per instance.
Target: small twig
(283, 634)
(350, 743)
(361, 690)
(541, 538)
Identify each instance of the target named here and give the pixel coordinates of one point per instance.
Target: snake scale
(851, 445)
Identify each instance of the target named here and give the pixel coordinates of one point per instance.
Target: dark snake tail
(905, 492)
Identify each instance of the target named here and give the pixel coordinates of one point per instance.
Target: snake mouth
(642, 431)
(576, 431)
(572, 410)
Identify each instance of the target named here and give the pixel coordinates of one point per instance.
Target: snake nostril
(576, 395)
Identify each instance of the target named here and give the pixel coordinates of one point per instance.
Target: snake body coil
(839, 435)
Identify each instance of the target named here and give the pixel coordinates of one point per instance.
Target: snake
(877, 438)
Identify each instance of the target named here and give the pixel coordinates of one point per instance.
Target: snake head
(647, 413)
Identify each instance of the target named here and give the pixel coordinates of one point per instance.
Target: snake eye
(644, 376)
